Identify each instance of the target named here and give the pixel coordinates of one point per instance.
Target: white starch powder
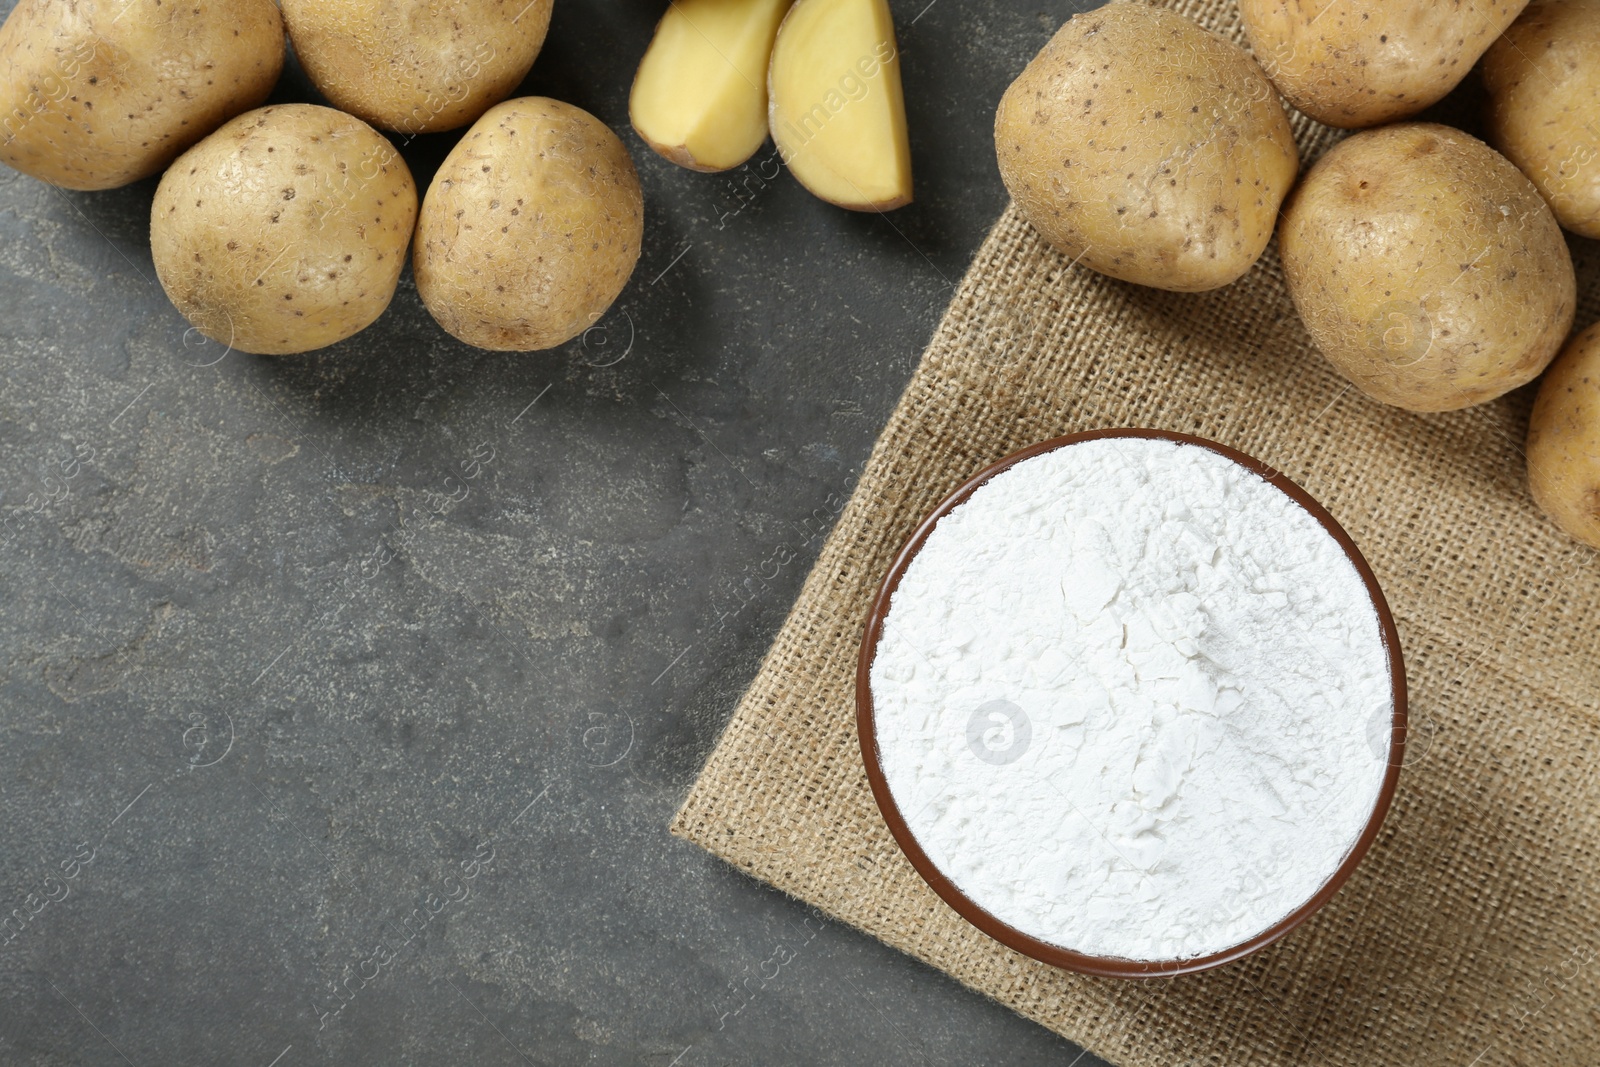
(1133, 700)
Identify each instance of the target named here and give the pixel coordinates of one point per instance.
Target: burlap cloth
(1470, 936)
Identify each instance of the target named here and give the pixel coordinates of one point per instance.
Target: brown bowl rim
(1108, 966)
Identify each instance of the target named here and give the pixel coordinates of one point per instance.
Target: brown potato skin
(530, 228)
(415, 66)
(1543, 78)
(1564, 439)
(95, 94)
(1426, 268)
(284, 231)
(1356, 64)
(1147, 148)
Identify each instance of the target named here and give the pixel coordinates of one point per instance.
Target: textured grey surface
(291, 644)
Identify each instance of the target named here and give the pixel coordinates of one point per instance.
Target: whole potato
(285, 230)
(1426, 267)
(1147, 148)
(1543, 78)
(99, 93)
(1564, 439)
(1354, 64)
(416, 66)
(530, 229)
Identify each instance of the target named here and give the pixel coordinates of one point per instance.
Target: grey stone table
(345, 699)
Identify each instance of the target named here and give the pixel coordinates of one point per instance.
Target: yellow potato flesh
(837, 113)
(700, 97)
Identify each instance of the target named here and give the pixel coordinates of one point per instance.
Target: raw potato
(1426, 267)
(1543, 79)
(530, 229)
(700, 97)
(837, 115)
(1147, 148)
(95, 94)
(1564, 439)
(285, 230)
(1353, 64)
(417, 66)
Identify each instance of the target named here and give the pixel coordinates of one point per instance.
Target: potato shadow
(405, 367)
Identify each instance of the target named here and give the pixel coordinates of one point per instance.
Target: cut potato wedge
(700, 97)
(837, 113)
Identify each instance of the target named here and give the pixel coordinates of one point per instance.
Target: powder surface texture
(1133, 700)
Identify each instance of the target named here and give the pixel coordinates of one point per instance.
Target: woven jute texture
(1470, 936)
